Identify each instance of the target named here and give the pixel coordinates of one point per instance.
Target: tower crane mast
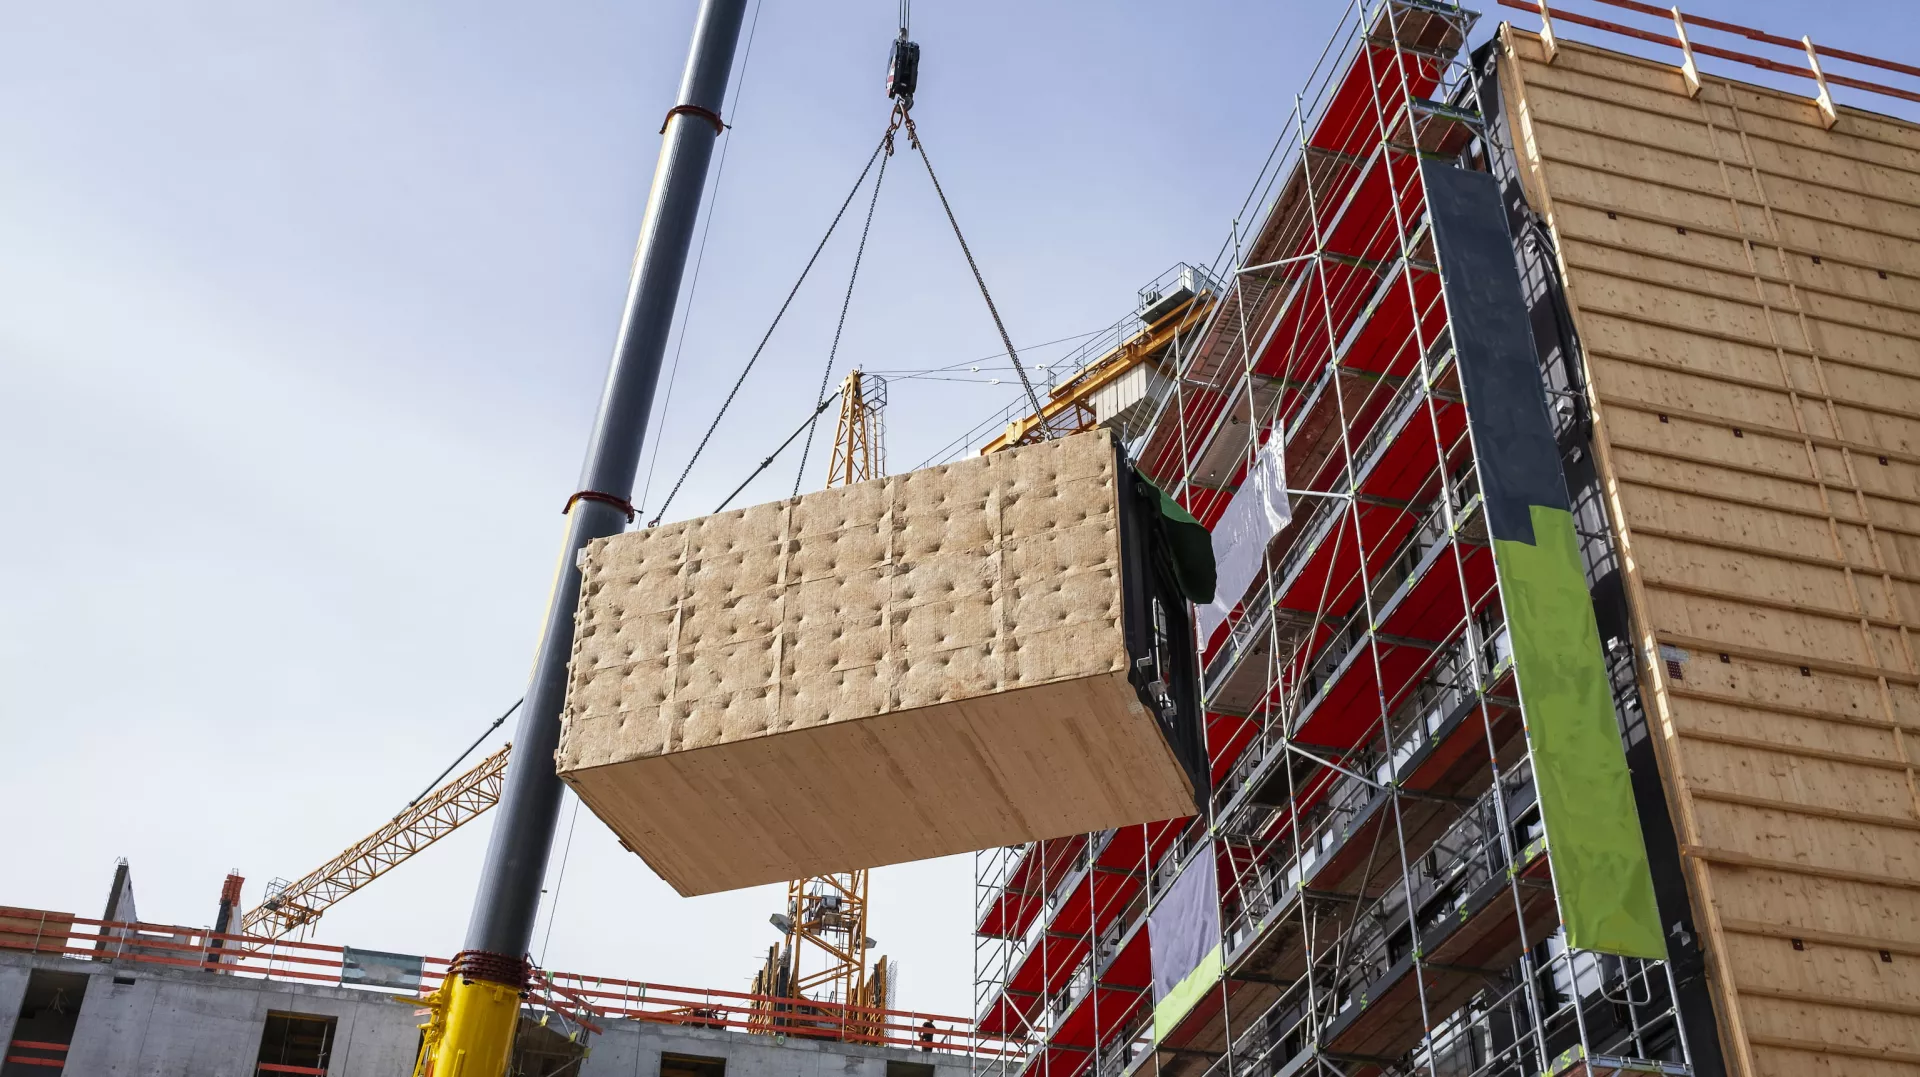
(824, 955)
(859, 438)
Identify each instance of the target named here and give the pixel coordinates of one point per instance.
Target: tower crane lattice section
(296, 906)
(824, 956)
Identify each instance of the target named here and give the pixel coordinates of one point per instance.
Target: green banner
(1586, 798)
(1183, 941)
(1168, 1011)
(1600, 868)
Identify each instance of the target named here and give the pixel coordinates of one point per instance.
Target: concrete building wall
(137, 1022)
(13, 987)
(152, 1021)
(141, 1020)
(633, 1049)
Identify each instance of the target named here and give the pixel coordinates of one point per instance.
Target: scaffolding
(1386, 898)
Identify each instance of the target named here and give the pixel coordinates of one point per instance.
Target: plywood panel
(925, 664)
(1746, 285)
(35, 929)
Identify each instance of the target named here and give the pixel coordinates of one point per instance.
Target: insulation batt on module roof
(926, 663)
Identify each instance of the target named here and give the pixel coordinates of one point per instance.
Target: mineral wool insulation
(919, 665)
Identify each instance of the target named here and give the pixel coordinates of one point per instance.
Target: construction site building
(100, 1017)
(1578, 385)
(119, 995)
(1721, 287)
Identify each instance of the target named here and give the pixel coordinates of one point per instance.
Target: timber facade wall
(1745, 282)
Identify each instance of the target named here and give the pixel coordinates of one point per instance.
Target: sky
(304, 311)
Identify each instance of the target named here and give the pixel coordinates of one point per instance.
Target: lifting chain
(903, 118)
(902, 79)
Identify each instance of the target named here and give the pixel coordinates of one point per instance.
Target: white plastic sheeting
(377, 968)
(1258, 511)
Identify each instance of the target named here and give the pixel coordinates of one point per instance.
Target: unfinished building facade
(1480, 802)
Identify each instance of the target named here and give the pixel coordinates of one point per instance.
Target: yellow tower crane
(824, 955)
(859, 438)
(1070, 406)
(294, 906)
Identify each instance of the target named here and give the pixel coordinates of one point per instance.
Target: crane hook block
(903, 70)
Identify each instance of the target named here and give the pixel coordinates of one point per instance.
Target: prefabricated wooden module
(925, 664)
(1745, 281)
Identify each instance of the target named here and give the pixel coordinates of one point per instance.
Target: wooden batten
(36, 930)
(1744, 270)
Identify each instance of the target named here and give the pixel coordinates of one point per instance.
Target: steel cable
(435, 784)
(755, 357)
(913, 136)
(768, 462)
(833, 351)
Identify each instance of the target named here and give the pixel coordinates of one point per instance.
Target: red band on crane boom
(620, 503)
(701, 111)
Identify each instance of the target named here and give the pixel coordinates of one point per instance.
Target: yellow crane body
(1069, 406)
(477, 1016)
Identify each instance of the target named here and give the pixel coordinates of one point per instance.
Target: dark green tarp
(1189, 545)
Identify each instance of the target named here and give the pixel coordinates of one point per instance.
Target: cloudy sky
(304, 309)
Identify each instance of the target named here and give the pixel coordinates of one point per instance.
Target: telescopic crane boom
(476, 1011)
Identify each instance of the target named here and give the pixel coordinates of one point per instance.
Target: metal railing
(1811, 61)
(579, 998)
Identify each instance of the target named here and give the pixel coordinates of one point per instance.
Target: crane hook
(903, 64)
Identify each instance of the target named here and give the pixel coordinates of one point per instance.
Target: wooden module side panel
(971, 774)
(1746, 286)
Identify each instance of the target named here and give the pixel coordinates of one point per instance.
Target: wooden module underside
(996, 770)
(1746, 285)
